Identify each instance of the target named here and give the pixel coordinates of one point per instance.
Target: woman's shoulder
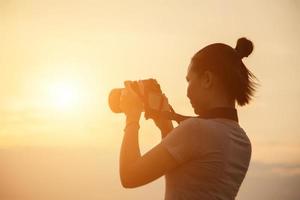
(192, 122)
(210, 127)
(211, 123)
(197, 125)
(198, 122)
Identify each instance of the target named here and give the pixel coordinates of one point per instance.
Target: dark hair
(227, 64)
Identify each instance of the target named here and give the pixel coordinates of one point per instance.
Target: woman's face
(197, 90)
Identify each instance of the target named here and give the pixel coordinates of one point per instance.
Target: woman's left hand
(130, 103)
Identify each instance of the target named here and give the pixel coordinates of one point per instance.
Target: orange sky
(89, 47)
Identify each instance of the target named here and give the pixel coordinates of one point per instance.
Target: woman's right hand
(163, 124)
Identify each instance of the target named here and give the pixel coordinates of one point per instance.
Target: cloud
(276, 169)
(271, 181)
(290, 171)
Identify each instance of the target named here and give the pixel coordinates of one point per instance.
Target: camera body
(147, 90)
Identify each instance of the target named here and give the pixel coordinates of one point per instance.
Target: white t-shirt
(214, 156)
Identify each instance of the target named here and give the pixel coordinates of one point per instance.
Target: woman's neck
(216, 100)
(220, 102)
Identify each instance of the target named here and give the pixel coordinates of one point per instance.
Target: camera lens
(114, 100)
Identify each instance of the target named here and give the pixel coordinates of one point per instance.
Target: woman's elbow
(128, 182)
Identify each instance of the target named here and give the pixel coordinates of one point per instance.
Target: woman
(205, 157)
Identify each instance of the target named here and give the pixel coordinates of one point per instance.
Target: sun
(65, 90)
(64, 95)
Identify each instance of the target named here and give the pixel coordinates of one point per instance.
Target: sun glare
(64, 95)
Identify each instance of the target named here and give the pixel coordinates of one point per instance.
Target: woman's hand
(164, 125)
(130, 103)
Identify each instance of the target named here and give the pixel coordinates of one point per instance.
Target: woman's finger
(130, 90)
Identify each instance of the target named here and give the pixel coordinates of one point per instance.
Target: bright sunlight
(64, 96)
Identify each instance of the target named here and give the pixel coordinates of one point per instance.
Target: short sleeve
(183, 140)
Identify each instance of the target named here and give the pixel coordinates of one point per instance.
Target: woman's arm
(137, 170)
(165, 127)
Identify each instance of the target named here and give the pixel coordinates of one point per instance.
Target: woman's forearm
(130, 151)
(166, 128)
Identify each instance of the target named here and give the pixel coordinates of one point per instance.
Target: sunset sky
(59, 59)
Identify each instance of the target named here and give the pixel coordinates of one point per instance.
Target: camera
(155, 103)
(148, 91)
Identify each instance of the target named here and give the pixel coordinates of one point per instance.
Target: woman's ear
(207, 79)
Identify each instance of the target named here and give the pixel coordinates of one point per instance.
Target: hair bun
(244, 47)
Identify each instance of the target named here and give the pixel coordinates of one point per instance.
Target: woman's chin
(196, 111)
